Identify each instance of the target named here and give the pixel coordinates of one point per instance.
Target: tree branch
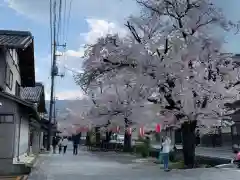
(133, 31)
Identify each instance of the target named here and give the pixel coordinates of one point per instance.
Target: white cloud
(65, 94)
(99, 28)
(72, 53)
(72, 94)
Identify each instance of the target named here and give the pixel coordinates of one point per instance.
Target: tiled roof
(31, 93)
(15, 39)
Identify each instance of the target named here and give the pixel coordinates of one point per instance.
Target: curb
(25, 177)
(22, 177)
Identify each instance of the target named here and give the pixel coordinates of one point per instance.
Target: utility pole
(55, 110)
(54, 73)
(53, 69)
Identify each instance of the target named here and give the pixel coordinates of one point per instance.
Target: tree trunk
(87, 142)
(127, 142)
(127, 137)
(108, 138)
(98, 136)
(158, 137)
(188, 142)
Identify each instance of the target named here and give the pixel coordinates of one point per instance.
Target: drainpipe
(19, 133)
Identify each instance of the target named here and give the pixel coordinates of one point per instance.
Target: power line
(76, 72)
(68, 19)
(50, 9)
(59, 21)
(64, 19)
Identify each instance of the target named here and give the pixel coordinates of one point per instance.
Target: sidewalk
(217, 152)
(104, 165)
(209, 152)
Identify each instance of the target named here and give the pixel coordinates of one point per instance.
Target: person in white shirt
(166, 147)
(64, 144)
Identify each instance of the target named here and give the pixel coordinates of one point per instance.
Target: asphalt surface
(115, 166)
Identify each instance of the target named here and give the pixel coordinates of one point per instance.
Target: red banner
(115, 129)
(141, 131)
(82, 129)
(129, 130)
(158, 128)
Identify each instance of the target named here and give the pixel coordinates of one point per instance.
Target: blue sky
(89, 19)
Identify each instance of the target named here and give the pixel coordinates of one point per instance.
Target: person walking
(198, 137)
(54, 144)
(166, 146)
(60, 145)
(64, 144)
(76, 142)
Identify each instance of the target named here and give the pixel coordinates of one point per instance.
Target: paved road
(112, 166)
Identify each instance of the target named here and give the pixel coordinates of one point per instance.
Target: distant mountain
(69, 111)
(71, 104)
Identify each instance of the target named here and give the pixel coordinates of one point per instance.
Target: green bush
(172, 156)
(143, 147)
(92, 138)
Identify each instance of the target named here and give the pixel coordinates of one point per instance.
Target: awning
(32, 111)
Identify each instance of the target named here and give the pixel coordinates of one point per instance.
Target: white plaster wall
(36, 142)
(2, 69)
(15, 70)
(6, 138)
(7, 129)
(23, 141)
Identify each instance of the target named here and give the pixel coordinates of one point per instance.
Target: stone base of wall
(8, 168)
(224, 140)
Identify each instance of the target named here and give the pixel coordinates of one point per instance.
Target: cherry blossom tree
(119, 101)
(173, 52)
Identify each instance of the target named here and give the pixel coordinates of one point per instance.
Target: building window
(6, 118)
(17, 89)
(9, 77)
